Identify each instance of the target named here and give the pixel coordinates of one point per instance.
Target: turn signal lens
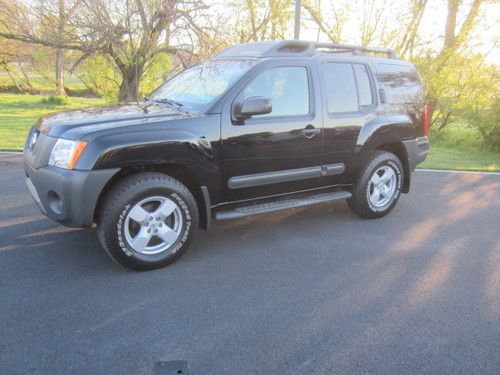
(80, 146)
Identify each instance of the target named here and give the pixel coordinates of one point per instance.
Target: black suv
(258, 128)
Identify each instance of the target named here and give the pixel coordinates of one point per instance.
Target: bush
(55, 100)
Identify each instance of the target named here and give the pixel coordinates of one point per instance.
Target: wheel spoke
(166, 234)
(139, 214)
(375, 178)
(388, 175)
(375, 196)
(384, 190)
(141, 240)
(165, 209)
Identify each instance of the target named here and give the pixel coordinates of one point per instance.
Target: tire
(364, 197)
(147, 205)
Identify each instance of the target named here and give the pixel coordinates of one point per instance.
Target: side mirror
(255, 105)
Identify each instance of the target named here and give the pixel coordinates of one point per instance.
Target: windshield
(199, 87)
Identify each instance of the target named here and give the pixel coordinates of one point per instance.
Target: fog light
(54, 202)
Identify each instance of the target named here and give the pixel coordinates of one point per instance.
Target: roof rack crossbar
(357, 49)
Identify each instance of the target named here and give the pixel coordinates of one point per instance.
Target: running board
(278, 205)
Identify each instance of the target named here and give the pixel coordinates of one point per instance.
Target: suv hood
(89, 120)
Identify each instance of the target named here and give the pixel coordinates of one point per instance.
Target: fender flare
(389, 133)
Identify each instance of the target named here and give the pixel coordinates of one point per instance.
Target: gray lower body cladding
(417, 150)
(266, 178)
(68, 197)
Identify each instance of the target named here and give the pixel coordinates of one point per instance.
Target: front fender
(194, 145)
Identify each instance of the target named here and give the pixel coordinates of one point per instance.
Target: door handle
(310, 131)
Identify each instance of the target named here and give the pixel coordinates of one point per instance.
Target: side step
(278, 205)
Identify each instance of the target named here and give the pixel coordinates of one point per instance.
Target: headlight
(66, 153)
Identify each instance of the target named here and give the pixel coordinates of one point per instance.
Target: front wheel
(378, 187)
(147, 221)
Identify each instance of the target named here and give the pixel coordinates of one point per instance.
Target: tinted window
(340, 88)
(364, 87)
(287, 87)
(401, 82)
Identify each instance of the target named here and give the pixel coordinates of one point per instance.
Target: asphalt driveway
(313, 290)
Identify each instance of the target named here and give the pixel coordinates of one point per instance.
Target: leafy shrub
(55, 100)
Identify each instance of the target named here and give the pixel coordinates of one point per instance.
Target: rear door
(350, 102)
(281, 151)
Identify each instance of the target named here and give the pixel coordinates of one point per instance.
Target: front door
(281, 151)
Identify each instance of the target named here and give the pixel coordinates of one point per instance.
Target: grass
(442, 157)
(457, 148)
(19, 112)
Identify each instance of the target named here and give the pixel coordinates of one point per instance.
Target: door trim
(266, 178)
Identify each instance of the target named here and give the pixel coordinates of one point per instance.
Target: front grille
(37, 148)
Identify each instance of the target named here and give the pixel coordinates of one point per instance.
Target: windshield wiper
(170, 102)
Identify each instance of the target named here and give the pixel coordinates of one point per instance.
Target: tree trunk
(60, 52)
(60, 72)
(253, 22)
(451, 24)
(131, 79)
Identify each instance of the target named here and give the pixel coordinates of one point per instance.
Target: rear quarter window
(348, 87)
(401, 83)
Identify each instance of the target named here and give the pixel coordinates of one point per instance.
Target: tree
(334, 29)
(450, 62)
(406, 44)
(15, 59)
(452, 39)
(130, 33)
(262, 19)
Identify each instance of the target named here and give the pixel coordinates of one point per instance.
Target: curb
(456, 171)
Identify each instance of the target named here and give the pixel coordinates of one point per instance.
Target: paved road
(314, 290)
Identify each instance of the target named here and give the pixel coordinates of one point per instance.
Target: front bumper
(417, 150)
(68, 197)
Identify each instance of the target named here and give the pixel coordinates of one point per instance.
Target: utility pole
(296, 31)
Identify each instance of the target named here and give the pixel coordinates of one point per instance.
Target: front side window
(348, 87)
(287, 87)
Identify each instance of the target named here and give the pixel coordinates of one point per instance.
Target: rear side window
(348, 87)
(401, 82)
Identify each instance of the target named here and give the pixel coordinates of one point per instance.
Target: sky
(484, 40)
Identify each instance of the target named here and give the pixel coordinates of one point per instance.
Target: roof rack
(356, 50)
(294, 48)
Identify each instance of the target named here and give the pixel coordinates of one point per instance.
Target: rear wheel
(147, 221)
(378, 187)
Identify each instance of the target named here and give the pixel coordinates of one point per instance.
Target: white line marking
(11, 152)
(451, 171)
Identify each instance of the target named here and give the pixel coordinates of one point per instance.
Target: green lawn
(441, 157)
(19, 112)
